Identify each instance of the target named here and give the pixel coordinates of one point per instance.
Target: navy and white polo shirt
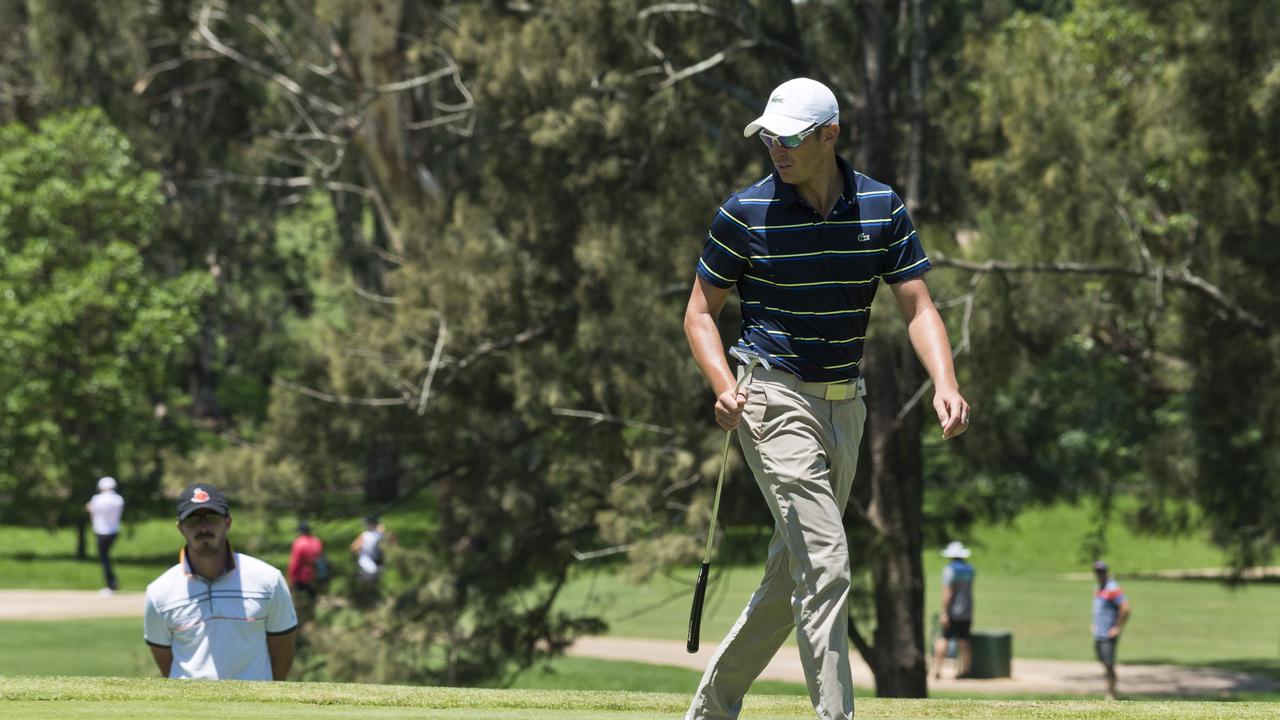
(218, 629)
(806, 282)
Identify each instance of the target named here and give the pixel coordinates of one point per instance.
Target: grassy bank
(112, 699)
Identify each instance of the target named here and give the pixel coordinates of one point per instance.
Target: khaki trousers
(803, 451)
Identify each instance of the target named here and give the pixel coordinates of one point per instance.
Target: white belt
(844, 390)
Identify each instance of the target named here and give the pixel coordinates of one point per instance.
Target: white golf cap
(106, 483)
(796, 105)
(956, 549)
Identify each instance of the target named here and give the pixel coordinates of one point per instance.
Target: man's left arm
(929, 339)
(281, 649)
(1122, 616)
(282, 626)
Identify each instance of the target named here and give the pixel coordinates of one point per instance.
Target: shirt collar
(186, 562)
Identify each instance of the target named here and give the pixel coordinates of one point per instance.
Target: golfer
(218, 614)
(806, 247)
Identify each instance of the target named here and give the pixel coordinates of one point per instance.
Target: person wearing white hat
(105, 509)
(956, 617)
(806, 247)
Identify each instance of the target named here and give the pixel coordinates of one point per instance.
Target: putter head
(749, 358)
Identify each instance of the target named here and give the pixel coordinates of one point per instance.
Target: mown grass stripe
(193, 699)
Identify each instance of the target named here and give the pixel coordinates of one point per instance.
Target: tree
(91, 332)
(1107, 181)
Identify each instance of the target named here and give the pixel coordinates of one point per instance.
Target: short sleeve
(727, 252)
(947, 575)
(154, 629)
(281, 617)
(905, 258)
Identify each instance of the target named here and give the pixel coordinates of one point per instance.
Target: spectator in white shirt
(105, 509)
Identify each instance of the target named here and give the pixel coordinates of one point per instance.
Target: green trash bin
(992, 653)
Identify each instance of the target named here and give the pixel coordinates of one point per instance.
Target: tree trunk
(81, 542)
(896, 652)
(382, 474)
(897, 497)
(874, 138)
(915, 135)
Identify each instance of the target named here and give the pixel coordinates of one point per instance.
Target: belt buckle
(837, 392)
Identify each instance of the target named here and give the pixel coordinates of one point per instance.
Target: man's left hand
(953, 412)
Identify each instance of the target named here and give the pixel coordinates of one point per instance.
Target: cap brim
(776, 124)
(221, 510)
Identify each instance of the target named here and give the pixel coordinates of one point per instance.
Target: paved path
(1029, 676)
(62, 604)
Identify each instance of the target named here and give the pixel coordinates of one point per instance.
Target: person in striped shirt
(1110, 613)
(806, 247)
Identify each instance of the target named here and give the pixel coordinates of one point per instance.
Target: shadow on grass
(27, 556)
(1222, 696)
(1268, 668)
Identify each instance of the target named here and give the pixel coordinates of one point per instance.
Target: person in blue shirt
(1110, 612)
(806, 247)
(956, 617)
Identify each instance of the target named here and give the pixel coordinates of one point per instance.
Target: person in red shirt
(307, 551)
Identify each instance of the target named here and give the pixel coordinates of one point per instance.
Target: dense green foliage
(340, 256)
(89, 331)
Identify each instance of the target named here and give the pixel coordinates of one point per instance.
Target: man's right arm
(156, 633)
(705, 302)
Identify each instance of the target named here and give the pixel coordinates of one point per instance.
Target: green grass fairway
(102, 647)
(103, 699)
(113, 647)
(35, 559)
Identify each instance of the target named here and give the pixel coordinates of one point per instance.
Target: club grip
(695, 613)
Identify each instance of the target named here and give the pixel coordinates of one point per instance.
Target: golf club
(700, 589)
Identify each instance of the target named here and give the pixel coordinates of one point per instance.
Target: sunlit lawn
(34, 558)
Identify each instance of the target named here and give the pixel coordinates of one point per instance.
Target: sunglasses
(790, 142)
(195, 521)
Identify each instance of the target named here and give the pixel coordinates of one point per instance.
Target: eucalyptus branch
(596, 417)
(338, 399)
(707, 64)
(1181, 278)
(685, 7)
(213, 42)
(144, 80)
(374, 297)
(603, 552)
(491, 346)
(431, 370)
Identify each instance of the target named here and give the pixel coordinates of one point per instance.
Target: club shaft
(715, 504)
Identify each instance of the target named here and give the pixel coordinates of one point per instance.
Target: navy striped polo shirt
(805, 282)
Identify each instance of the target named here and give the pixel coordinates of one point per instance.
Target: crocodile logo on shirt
(863, 237)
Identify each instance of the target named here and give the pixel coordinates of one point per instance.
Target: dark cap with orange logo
(201, 496)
